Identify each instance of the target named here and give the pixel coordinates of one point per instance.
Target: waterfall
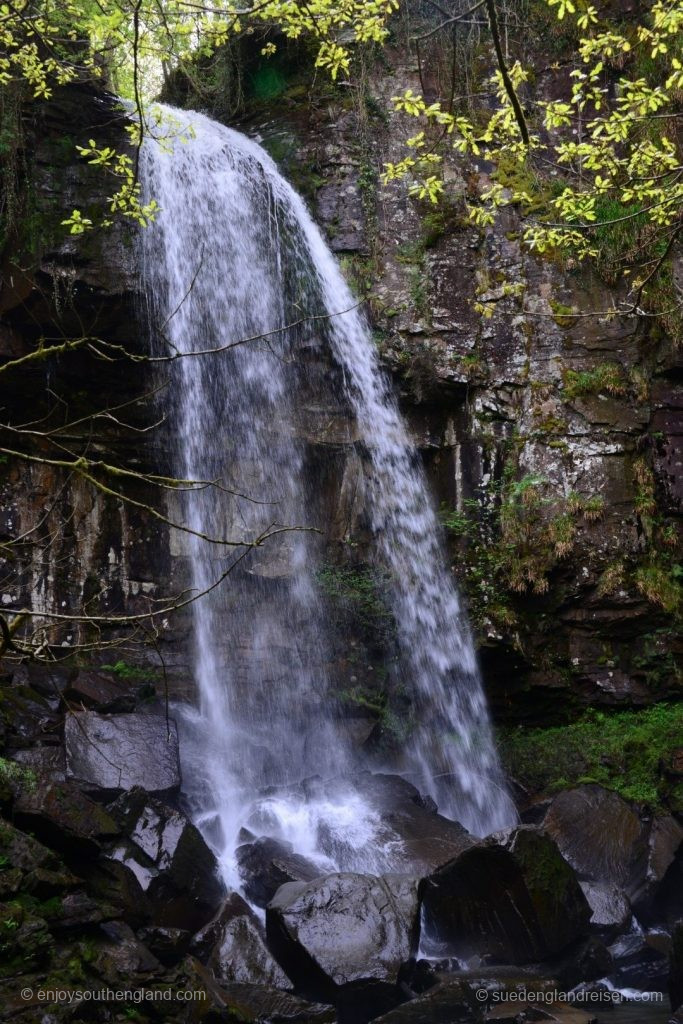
(235, 255)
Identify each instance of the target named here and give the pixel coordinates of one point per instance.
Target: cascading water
(234, 255)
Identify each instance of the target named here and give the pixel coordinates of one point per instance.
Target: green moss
(621, 751)
(563, 315)
(131, 673)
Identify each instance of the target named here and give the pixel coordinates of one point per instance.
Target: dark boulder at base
(600, 834)
(515, 903)
(173, 865)
(266, 864)
(676, 968)
(117, 884)
(641, 961)
(233, 946)
(606, 841)
(664, 845)
(118, 752)
(451, 1002)
(254, 1004)
(123, 955)
(345, 935)
(63, 817)
(587, 960)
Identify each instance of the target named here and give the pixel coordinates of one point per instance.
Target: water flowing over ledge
(233, 255)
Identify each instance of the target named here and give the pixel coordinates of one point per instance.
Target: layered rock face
(585, 411)
(582, 413)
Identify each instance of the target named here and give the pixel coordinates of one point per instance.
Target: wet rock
(101, 691)
(169, 945)
(450, 1002)
(641, 961)
(60, 815)
(172, 863)
(675, 980)
(24, 853)
(123, 955)
(266, 864)
(119, 752)
(598, 833)
(611, 911)
(516, 904)
(407, 824)
(233, 945)
(560, 906)
(664, 843)
(344, 931)
(588, 960)
(115, 883)
(47, 763)
(604, 839)
(78, 909)
(257, 1004)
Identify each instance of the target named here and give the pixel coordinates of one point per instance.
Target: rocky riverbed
(106, 883)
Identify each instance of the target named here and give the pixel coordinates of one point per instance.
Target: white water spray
(235, 254)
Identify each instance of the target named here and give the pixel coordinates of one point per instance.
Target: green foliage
(131, 673)
(662, 584)
(14, 774)
(620, 198)
(511, 546)
(608, 379)
(621, 751)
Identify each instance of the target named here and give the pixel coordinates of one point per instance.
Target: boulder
(123, 954)
(641, 961)
(266, 864)
(78, 909)
(664, 843)
(676, 969)
(255, 1004)
(23, 853)
(605, 841)
(173, 865)
(118, 752)
(169, 945)
(116, 883)
(611, 910)
(451, 1002)
(411, 837)
(561, 909)
(26, 942)
(345, 931)
(45, 762)
(100, 690)
(515, 903)
(587, 960)
(599, 833)
(63, 817)
(233, 946)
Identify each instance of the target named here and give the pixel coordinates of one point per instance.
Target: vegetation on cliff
(630, 752)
